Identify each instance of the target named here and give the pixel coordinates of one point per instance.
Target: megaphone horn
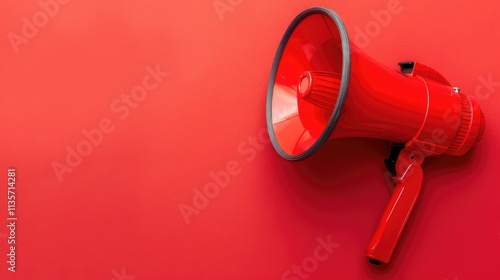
(322, 87)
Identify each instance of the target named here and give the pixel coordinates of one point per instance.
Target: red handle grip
(396, 214)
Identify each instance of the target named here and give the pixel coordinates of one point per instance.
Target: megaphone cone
(322, 87)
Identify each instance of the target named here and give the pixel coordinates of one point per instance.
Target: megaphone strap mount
(412, 68)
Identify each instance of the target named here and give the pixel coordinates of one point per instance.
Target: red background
(119, 208)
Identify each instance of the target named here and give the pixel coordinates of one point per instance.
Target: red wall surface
(158, 98)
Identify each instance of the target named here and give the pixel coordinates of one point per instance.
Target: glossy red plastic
(323, 87)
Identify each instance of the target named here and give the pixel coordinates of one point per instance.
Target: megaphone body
(323, 87)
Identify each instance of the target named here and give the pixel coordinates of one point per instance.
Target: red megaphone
(322, 87)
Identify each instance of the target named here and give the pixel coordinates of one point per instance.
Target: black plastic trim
(406, 66)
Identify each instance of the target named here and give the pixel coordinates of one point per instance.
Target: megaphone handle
(398, 210)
